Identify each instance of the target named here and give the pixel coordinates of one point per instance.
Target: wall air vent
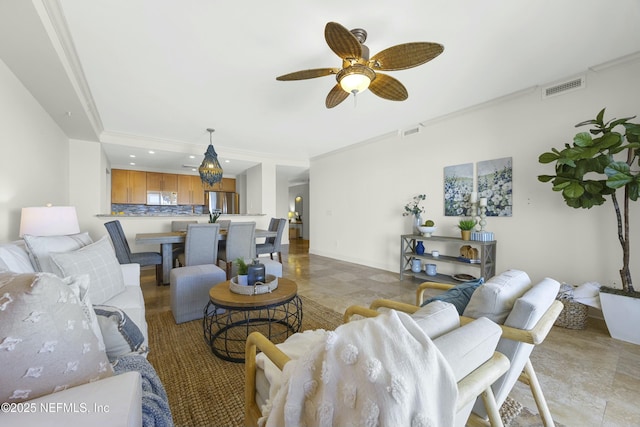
(564, 87)
(410, 132)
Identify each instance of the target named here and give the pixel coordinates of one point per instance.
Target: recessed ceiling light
(152, 152)
(227, 161)
(192, 157)
(132, 155)
(132, 164)
(194, 169)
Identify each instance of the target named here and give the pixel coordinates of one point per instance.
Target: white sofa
(116, 400)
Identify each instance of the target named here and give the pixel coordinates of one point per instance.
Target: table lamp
(49, 221)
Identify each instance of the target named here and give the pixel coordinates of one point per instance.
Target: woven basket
(574, 314)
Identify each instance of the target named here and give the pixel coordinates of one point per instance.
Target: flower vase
(416, 265)
(420, 248)
(417, 221)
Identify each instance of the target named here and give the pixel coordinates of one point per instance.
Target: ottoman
(189, 289)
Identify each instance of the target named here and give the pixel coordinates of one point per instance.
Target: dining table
(167, 239)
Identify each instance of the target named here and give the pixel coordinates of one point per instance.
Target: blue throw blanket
(155, 405)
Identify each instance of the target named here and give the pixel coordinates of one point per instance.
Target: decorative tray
(260, 288)
(463, 277)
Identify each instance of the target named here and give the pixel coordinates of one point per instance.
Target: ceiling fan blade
(308, 74)
(342, 41)
(403, 56)
(335, 96)
(388, 88)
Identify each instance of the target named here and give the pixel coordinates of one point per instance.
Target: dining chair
(124, 254)
(177, 226)
(240, 243)
(273, 244)
(224, 226)
(201, 245)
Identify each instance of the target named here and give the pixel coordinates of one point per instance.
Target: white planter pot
(622, 315)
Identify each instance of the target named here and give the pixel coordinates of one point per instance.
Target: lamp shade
(49, 221)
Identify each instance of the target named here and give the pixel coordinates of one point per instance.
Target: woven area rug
(204, 390)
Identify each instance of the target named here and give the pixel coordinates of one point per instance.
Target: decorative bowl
(271, 283)
(426, 231)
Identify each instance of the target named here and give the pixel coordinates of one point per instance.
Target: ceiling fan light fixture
(356, 78)
(210, 169)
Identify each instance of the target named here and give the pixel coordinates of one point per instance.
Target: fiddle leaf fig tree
(601, 163)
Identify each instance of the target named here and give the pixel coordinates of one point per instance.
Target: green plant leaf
(593, 187)
(583, 139)
(573, 190)
(545, 178)
(634, 189)
(548, 157)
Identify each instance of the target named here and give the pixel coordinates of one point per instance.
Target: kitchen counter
(169, 215)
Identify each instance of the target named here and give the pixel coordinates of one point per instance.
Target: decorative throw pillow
(40, 247)
(459, 295)
(14, 257)
(80, 286)
(99, 261)
(494, 300)
(46, 341)
(121, 335)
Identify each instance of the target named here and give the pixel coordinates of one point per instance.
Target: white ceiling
(159, 72)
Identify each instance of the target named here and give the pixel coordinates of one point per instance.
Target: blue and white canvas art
(495, 182)
(458, 185)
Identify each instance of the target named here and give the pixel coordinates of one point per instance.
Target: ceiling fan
(360, 72)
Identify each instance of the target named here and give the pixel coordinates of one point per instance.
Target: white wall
(361, 222)
(33, 155)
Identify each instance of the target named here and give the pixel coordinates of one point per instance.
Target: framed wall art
(495, 182)
(458, 185)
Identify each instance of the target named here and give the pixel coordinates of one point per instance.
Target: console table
(408, 242)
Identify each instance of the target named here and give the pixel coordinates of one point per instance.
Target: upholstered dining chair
(224, 226)
(201, 245)
(176, 226)
(531, 313)
(240, 243)
(124, 254)
(272, 244)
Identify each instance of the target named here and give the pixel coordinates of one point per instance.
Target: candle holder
(483, 217)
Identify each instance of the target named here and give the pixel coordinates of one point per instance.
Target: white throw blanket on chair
(381, 371)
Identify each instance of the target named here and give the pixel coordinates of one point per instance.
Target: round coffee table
(229, 318)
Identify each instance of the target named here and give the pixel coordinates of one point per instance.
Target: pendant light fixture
(210, 169)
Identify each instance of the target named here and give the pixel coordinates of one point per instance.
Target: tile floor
(588, 378)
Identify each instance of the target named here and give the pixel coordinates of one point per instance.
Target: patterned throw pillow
(40, 247)
(46, 340)
(99, 261)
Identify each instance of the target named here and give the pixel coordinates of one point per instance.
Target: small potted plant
(243, 269)
(466, 226)
(213, 217)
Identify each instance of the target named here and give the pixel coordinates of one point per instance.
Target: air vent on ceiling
(564, 87)
(410, 132)
(190, 166)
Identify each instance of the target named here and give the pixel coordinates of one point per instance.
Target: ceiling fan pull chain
(355, 100)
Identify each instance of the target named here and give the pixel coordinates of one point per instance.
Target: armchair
(468, 350)
(527, 324)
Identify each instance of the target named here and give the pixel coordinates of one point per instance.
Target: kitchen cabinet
(227, 184)
(162, 182)
(128, 187)
(190, 191)
(408, 242)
